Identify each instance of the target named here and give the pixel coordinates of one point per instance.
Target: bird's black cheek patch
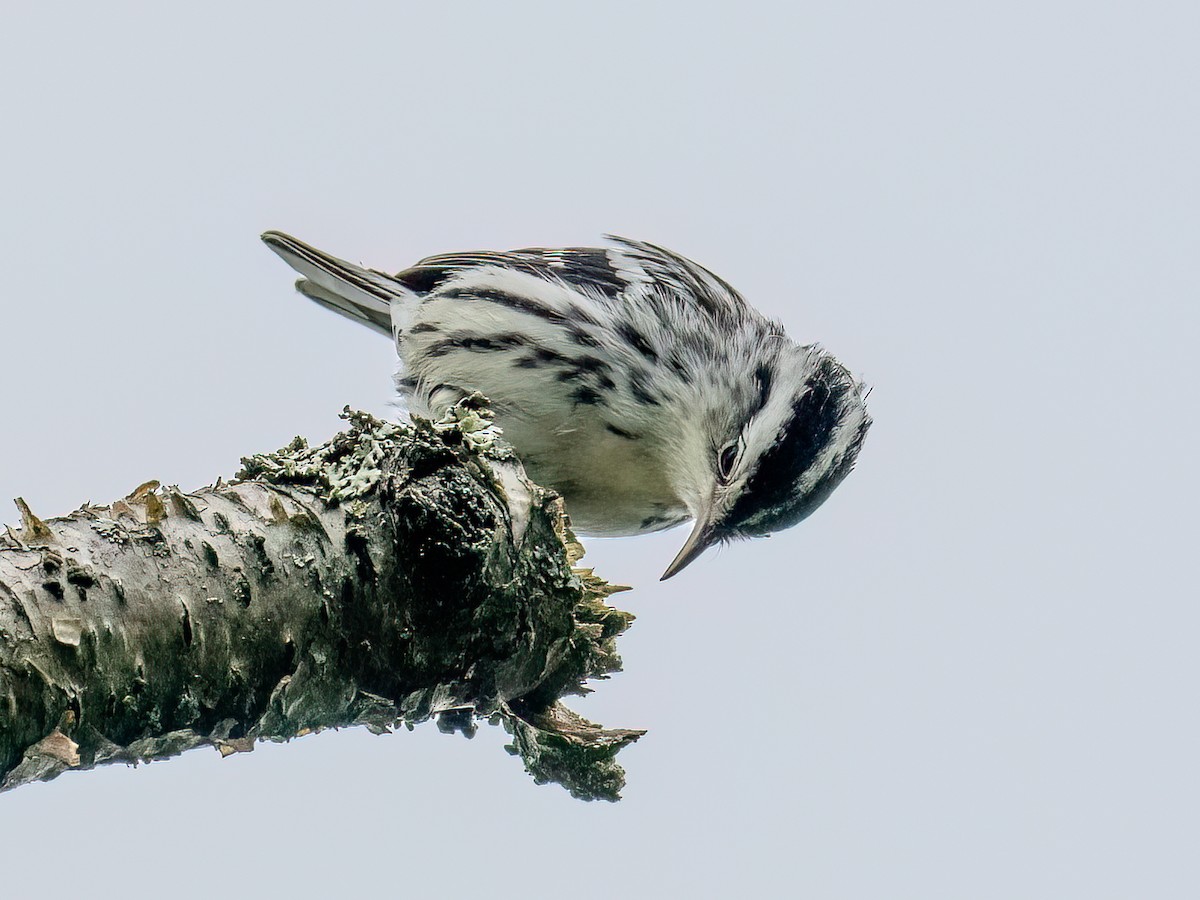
(771, 494)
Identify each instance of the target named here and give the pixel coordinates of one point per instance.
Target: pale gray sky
(972, 674)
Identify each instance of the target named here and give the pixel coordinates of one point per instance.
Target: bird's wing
(576, 266)
(630, 271)
(679, 276)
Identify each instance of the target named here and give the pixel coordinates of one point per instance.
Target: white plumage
(638, 384)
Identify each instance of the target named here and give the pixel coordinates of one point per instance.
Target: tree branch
(393, 574)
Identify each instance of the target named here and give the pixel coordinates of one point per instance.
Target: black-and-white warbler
(633, 381)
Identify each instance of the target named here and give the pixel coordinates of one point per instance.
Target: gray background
(971, 675)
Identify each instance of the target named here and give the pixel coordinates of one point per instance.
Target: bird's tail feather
(361, 295)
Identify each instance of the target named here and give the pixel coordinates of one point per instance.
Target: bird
(634, 382)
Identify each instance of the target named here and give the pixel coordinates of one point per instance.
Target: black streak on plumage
(539, 357)
(771, 487)
(422, 280)
(526, 305)
(571, 317)
(591, 364)
(585, 267)
(476, 343)
(588, 367)
(621, 432)
(640, 389)
(637, 340)
(762, 378)
(582, 338)
(675, 361)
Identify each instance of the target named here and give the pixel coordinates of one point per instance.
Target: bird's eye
(727, 460)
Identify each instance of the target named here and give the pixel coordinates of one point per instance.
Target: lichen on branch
(393, 574)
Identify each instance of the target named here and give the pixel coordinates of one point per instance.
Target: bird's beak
(704, 534)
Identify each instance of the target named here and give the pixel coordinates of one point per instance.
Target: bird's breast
(612, 484)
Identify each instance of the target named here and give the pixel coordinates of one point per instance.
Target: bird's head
(775, 456)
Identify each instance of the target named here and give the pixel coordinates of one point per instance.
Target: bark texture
(393, 574)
